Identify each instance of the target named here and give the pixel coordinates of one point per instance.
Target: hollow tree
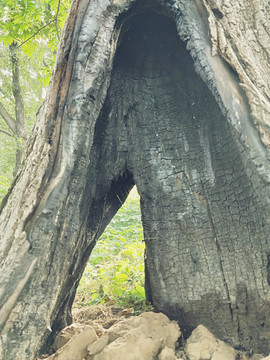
(172, 96)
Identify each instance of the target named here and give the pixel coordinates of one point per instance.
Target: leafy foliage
(115, 271)
(7, 161)
(35, 26)
(33, 95)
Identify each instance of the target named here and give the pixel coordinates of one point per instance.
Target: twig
(7, 118)
(55, 19)
(63, 5)
(43, 27)
(6, 132)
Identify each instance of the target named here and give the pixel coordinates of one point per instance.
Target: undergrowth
(115, 271)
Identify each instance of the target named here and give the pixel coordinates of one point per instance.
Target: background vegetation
(115, 271)
(29, 36)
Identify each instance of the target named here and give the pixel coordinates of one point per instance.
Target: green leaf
(140, 291)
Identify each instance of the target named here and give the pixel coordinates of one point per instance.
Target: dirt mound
(112, 333)
(100, 335)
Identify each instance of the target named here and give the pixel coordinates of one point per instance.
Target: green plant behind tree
(29, 36)
(115, 271)
(35, 27)
(7, 161)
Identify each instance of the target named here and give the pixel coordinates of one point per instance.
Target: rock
(76, 347)
(266, 358)
(258, 357)
(129, 311)
(140, 338)
(98, 345)
(66, 334)
(167, 354)
(224, 352)
(202, 345)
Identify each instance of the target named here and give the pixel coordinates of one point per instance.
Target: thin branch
(7, 118)
(43, 27)
(64, 6)
(6, 132)
(56, 19)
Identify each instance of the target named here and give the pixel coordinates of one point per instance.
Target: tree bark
(160, 94)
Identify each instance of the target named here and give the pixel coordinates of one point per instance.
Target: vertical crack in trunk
(216, 241)
(268, 269)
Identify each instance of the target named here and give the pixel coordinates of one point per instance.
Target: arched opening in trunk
(114, 274)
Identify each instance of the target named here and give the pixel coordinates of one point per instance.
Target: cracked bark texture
(171, 96)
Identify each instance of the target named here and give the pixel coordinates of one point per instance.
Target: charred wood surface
(162, 95)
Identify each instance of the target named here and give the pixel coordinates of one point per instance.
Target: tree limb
(64, 5)
(56, 19)
(6, 132)
(8, 118)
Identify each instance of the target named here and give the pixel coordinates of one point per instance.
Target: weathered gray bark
(127, 106)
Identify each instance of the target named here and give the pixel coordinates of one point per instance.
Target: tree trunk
(20, 127)
(171, 96)
(17, 125)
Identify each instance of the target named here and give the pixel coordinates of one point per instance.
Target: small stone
(166, 354)
(126, 312)
(224, 352)
(98, 345)
(257, 357)
(66, 334)
(76, 348)
(201, 344)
